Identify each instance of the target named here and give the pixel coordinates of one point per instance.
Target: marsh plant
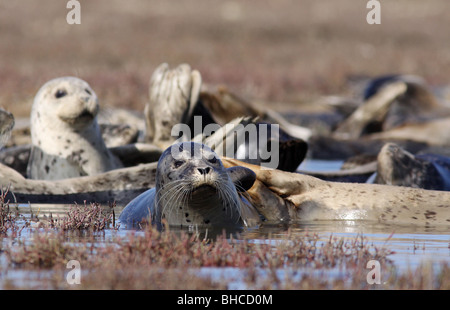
(173, 259)
(91, 217)
(11, 222)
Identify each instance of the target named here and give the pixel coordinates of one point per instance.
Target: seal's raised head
(194, 188)
(65, 134)
(70, 99)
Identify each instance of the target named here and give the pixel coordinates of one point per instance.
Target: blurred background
(284, 51)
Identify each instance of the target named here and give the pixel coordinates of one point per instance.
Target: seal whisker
(229, 198)
(173, 191)
(168, 190)
(183, 197)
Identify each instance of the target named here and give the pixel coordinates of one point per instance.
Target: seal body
(65, 135)
(6, 125)
(193, 188)
(397, 166)
(173, 96)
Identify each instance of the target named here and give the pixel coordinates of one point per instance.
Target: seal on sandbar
(193, 188)
(6, 125)
(65, 135)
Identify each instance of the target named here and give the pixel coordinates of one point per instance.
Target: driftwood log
(120, 185)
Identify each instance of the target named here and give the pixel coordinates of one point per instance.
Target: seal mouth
(203, 188)
(84, 116)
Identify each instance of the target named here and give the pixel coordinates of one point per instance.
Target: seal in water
(65, 135)
(399, 167)
(6, 125)
(194, 189)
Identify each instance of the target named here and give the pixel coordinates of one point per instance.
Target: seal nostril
(204, 170)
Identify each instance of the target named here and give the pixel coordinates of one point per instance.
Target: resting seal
(194, 189)
(65, 135)
(285, 196)
(6, 125)
(399, 167)
(173, 95)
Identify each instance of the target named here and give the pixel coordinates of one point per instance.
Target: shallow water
(412, 246)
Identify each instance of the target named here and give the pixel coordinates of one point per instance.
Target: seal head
(193, 188)
(65, 135)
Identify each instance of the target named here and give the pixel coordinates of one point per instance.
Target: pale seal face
(194, 188)
(67, 102)
(65, 134)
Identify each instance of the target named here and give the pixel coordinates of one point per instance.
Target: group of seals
(192, 184)
(175, 98)
(395, 108)
(274, 196)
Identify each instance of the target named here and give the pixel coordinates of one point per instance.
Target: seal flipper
(242, 177)
(139, 209)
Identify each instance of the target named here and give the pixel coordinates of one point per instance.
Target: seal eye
(178, 163)
(60, 93)
(213, 160)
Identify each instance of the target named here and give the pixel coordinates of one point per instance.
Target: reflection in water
(411, 244)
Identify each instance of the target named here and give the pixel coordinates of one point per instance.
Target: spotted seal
(65, 135)
(194, 189)
(290, 197)
(396, 166)
(6, 125)
(173, 95)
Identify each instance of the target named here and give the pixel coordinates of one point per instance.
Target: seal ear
(242, 177)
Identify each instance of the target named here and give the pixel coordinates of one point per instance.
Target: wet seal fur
(65, 135)
(193, 188)
(292, 197)
(173, 95)
(396, 166)
(6, 125)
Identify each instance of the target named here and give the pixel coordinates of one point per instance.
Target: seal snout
(203, 175)
(204, 171)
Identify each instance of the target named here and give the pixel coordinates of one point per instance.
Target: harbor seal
(65, 135)
(6, 125)
(173, 95)
(291, 197)
(396, 166)
(194, 189)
